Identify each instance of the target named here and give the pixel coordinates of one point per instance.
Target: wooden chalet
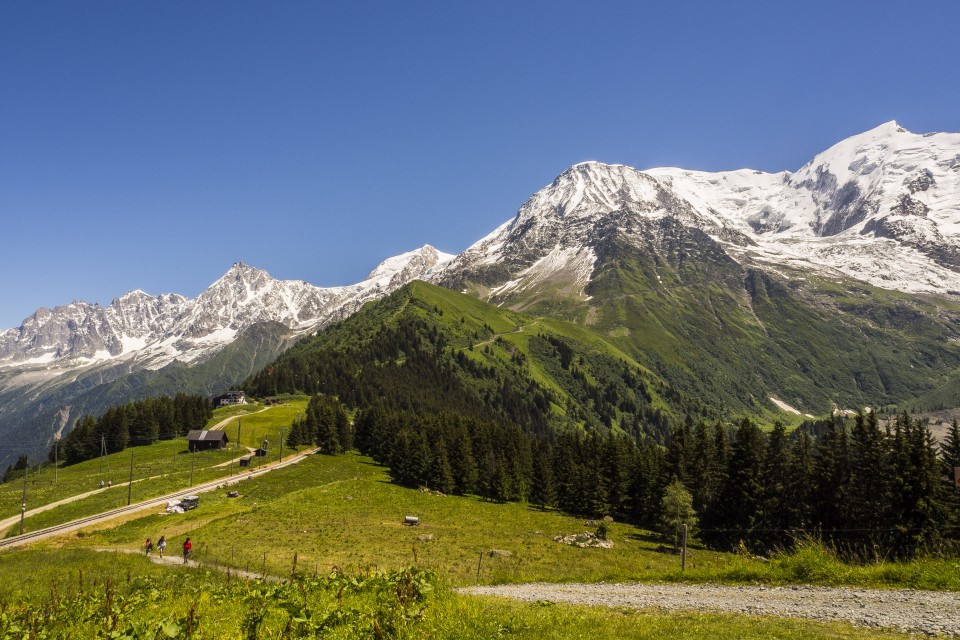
(203, 440)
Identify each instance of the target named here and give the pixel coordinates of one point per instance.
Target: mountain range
(833, 285)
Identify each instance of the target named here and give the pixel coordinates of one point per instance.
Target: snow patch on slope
(568, 267)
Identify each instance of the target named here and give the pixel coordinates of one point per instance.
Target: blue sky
(151, 145)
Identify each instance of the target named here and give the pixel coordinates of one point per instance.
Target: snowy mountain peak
(408, 266)
(885, 196)
(588, 189)
(241, 271)
(155, 330)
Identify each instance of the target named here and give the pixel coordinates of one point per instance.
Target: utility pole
(683, 550)
(23, 502)
(103, 446)
(281, 444)
(56, 460)
(130, 484)
(239, 421)
(193, 454)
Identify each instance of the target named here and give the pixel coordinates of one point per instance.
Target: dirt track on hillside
(927, 612)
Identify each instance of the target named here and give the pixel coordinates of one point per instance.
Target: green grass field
(343, 512)
(168, 458)
(255, 424)
(86, 594)
(159, 468)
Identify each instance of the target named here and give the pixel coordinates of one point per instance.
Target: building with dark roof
(202, 440)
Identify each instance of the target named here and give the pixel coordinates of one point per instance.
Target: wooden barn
(202, 440)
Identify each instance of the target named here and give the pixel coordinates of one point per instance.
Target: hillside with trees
(464, 398)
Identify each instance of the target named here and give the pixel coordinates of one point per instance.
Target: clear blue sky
(152, 144)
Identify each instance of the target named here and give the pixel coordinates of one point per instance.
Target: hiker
(187, 546)
(101, 484)
(148, 546)
(162, 545)
(109, 483)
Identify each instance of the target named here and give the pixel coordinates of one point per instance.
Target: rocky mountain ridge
(886, 196)
(156, 330)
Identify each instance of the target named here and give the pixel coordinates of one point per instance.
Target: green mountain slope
(430, 349)
(735, 336)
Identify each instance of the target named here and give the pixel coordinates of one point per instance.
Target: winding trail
(926, 612)
(519, 329)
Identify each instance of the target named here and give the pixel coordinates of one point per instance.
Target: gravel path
(927, 612)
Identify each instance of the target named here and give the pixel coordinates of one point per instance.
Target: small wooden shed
(203, 440)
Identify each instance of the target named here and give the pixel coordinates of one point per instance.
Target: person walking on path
(162, 545)
(187, 547)
(148, 546)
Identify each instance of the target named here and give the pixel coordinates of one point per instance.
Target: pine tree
(799, 490)
(869, 489)
(704, 480)
(776, 508)
(440, 474)
(646, 487)
(831, 479)
(680, 454)
(917, 509)
(950, 472)
(741, 495)
(542, 490)
(462, 462)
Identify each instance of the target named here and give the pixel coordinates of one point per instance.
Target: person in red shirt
(187, 547)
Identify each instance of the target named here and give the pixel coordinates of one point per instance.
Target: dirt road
(927, 612)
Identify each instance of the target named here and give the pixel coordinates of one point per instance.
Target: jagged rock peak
(420, 260)
(589, 188)
(242, 271)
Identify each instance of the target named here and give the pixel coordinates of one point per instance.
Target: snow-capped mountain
(157, 330)
(884, 197)
(82, 358)
(882, 207)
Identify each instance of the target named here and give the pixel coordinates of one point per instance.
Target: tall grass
(812, 562)
(86, 594)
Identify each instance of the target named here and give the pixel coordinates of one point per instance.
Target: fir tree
(776, 507)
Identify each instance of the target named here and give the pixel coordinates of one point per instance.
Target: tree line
(863, 488)
(136, 423)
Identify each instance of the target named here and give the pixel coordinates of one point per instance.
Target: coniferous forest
(133, 424)
(449, 405)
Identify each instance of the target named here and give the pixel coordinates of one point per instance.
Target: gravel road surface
(926, 612)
